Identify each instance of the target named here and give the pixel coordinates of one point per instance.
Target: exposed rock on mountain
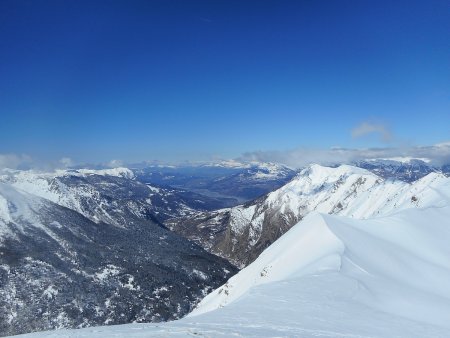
(241, 233)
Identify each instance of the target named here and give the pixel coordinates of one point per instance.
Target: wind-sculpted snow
(331, 276)
(241, 233)
(396, 259)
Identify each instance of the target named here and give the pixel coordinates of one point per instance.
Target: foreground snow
(330, 276)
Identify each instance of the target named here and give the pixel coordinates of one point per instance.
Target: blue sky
(193, 80)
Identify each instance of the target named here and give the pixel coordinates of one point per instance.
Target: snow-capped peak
(399, 160)
(351, 191)
(399, 264)
(345, 190)
(319, 173)
(117, 172)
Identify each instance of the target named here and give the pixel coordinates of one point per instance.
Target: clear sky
(176, 80)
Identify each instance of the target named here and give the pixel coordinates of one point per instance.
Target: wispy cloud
(66, 162)
(26, 162)
(114, 164)
(367, 128)
(14, 161)
(438, 154)
(205, 19)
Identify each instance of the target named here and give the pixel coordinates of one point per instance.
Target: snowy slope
(331, 276)
(111, 196)
(59, 269)
(399, 251)
(241, 233)
(71, 188)
(350, 191)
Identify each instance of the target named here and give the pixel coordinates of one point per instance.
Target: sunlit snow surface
(330, 276)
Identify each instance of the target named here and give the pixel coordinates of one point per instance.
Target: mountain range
(241, 233)
(88, 247)
(230, 181)
(367, 257)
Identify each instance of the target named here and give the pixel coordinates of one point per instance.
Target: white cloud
(13, 161)
(66, 162)
(114, 164)
(437, 154)
(367, 128)
(26, 162)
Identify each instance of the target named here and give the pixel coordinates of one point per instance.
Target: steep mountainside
(97, 256)
(112, 196)
(337, 276)
(241, 233)
(332, 276)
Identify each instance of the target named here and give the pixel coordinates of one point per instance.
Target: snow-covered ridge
(63, 188)
(399, 160)
(227, 164)
(330, 276)
(352, 191)
(256, 170)
(234, 164)
(118, 172)
(345, 190)
(293, 251)
(37, 177)
(400, 261)
(377, 266)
